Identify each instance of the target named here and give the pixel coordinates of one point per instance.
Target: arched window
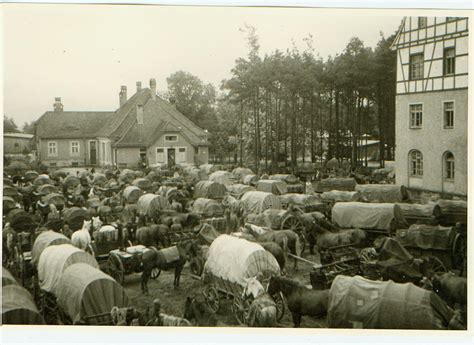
(416, 163)
(448, 166)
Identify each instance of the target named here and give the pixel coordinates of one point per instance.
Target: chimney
(58, 106)
(153, 88)
(139, 86)
(173, 102)
(123, 95)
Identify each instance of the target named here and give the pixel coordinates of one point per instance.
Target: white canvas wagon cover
(257, 202)
(18, 307)
(366, 215)
(224, 177)
(208, 207)
(356, 302)
(55, 259)
(272, 186)
(85, 291)
(209, 189)
(239, 189)
(239, 172)
(46, 239)
(7, 278)
(237, 260)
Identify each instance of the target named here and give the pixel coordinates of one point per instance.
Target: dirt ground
(173, 300)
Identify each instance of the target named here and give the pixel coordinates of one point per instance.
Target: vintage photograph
(234, 167)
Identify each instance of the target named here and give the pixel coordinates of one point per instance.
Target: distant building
(17, 144)
(432, 103)
(144, 128)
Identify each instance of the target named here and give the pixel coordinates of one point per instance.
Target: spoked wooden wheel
(196, 266)
(295, 224)
(458, 254)
(280, 305)
(211, 296)
(240, 309)
(433, 266)
(115, 268)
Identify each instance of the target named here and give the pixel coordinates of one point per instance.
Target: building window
(416, 163)
(416, 115)
(196, 150)
(160, 155)
(52, 148)
(182, 154)
(140, 114)
(449, 61)
(172, 138)
(448, 166)
(74, 148)
(448, 109)
(421, 22)
(416, 66)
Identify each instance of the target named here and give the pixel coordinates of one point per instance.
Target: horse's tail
(267, 316)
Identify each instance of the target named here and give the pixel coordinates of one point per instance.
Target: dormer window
(171, 138)
(140, 114)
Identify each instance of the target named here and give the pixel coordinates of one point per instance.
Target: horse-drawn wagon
(231, 263)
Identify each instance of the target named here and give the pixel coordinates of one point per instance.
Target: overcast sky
(83, 53)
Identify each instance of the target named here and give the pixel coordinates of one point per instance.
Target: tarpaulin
(272, 186)
(208, 208)
(18, 307)
(257, 202)
(209, 190)
(46, 239)
(427, 237)
(224, 177)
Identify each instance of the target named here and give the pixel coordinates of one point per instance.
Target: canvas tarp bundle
(44, 240)
(197, 174)
(257, 202)
(7, 278)
(382, 192)
(71, 181)
(224, 177)
(56, 200)
(367, 216)
(308, 203)
(356, 302)
(42, 179)
(237, 260)
(453, 206)
(288, 178)
(239, 189)
(127, 176)
(151, 204)
(55, 259)
(131, 194)
(18, 307)
(239, 173)
(427, 237)
(209, 190)
(272, 186)
(336, 183)
(341, 196)
(208, 207)
(85, 291)
(251, 180)
(142, 183)
(31, 175)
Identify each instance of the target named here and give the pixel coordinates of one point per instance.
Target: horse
(82, 238)
(200, 312)
(153, 258)
(262, 310)
(451, 288)
(300, 299)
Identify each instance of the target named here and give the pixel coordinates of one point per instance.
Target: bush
(17, 168)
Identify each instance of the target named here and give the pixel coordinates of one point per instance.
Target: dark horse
(300, 299)
(156, 259)
(200, 312)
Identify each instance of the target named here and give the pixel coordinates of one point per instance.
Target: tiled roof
(72, 124)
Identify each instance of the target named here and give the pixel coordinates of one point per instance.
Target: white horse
(82, 238)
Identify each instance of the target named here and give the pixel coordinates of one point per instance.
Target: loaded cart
(230, 263)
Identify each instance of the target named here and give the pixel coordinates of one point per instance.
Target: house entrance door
(171, 157)
(93, 152)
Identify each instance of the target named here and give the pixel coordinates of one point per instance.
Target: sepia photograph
(206, 166)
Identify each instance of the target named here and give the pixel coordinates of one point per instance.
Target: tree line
(293, 106)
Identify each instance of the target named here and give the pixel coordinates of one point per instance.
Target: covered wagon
(55, 199)
(42, 179)
(230, 263)
(8, 204)
(257, 202)
(209, 190)
(71, 182)
(209, 168)
(142, 183)
(131, 194)
(294, 185)
(453, 211)
(86, 295)
(44, 240)
(238, 189)
(99, 179)
(18, 307)
(334, 196)
(419, 213)
(356, 302)
(224, 177)
(7, 277)
(30, 175)
(207, 208)
(381, 193)
(74, 217)
(196, 175)
(382, 218)
(47, 189)
(272, 186)
(250, 180)
(335, 183)
(149, 205)
(127, 176)
(240, 173)
(12, 192)
(306, 202)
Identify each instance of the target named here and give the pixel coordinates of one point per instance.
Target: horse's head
(86, 225)
(253, 287)
(96, 223)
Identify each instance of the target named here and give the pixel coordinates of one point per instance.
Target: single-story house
(16, 144)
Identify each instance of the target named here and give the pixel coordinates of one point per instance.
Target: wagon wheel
(196, 266)
(115, 268)
(432, 265)
(280, 305)
(458, 254)
(211, 296)
(155, 273)
(295, 224)
(240, 308)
